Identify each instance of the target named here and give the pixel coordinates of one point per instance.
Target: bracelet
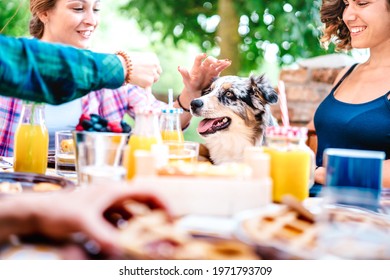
(181, 106)
(129, 65)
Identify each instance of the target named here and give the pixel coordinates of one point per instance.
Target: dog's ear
(208, 89)
(262, 89)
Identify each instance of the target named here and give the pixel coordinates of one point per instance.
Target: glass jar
(145, 134)
(292, 162)
(170, 125)
(31, 140)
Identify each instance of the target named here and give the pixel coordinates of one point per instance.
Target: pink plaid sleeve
(113, 104)
(10, 109)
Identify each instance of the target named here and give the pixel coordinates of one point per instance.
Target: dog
(236, 112)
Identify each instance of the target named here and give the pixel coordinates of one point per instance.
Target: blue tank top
(364, 126)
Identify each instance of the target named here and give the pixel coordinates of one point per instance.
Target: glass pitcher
(146, 133)
(31, 140)
(292, 162)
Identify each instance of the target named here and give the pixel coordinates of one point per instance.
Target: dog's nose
(196, 103)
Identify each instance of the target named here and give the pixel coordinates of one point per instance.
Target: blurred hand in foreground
(62, 216)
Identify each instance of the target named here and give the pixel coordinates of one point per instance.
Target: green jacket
(53, 73)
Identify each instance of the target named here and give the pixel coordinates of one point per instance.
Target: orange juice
(182, 152)
(138, 142)
(182, 156)
(172, 135)
(292, 162)
(31, 148)
(170, 126)
(290, 172)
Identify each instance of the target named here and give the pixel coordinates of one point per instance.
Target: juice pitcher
(292, 162)
(146, 133)
(31, 140)
(170, 125)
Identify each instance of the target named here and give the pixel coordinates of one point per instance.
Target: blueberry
(86, 124)
(97, 126)
(95, 118)
(103, 121)
(125, 127)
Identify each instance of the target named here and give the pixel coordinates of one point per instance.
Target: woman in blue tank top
(356, 113)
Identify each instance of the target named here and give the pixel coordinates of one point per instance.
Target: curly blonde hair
(37, 7)
(335, 31)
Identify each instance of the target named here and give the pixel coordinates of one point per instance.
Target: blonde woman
(73, 22)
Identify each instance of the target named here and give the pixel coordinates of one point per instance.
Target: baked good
(339, 232)
(151, 234)
(229, 250)
(8, 187)
(67, 146)
(46, 187)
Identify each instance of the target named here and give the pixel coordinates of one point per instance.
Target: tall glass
(31, 140)
(170, 125)
(146, 133)
(292, 162)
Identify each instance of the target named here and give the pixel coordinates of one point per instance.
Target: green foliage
(13, 19)
(292, 26)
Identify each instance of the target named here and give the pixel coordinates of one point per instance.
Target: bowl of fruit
(100, 144)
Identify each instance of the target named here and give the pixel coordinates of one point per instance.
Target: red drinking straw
(283, 104)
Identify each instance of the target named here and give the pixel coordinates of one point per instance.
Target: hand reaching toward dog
(200, 76)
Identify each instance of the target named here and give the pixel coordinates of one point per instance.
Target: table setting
(226, 211)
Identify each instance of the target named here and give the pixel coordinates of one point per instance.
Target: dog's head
(232, 103)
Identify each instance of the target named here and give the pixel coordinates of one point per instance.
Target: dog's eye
(229, 94)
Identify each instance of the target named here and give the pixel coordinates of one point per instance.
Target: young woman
(73, 22)
(356, 113)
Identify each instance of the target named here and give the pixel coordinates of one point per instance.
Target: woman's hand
(319, 175)
(201, 75)
(61, 216)
(146, 69)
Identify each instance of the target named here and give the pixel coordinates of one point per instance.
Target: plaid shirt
(111, 104)
(43, 72)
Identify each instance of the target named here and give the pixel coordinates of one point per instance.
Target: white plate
(357, 227)
(6, 162)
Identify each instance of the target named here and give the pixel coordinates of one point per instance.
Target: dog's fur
(236, 112)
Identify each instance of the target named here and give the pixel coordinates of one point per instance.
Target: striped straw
(283, 104)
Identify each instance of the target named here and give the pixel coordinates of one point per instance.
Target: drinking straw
(283, 104)
(119, 150)
(170, 98)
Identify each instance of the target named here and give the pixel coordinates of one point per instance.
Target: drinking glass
(65, 154)
(182, 152)
(100, 157)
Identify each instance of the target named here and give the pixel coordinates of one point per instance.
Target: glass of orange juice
(292, 162)
(182, 152)
(31, 140)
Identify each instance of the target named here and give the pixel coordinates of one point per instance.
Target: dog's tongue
(206, 125)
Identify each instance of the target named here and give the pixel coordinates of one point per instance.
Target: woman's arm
(386, 174)
(52, 73)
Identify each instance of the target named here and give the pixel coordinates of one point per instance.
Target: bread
(46, 187)
(8, 187)
(340, 233)
(67, 146)
(151, 234)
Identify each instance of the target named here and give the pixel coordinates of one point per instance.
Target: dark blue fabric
(364, 126)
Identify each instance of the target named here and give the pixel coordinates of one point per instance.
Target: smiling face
(368, 22)
(71, 22)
